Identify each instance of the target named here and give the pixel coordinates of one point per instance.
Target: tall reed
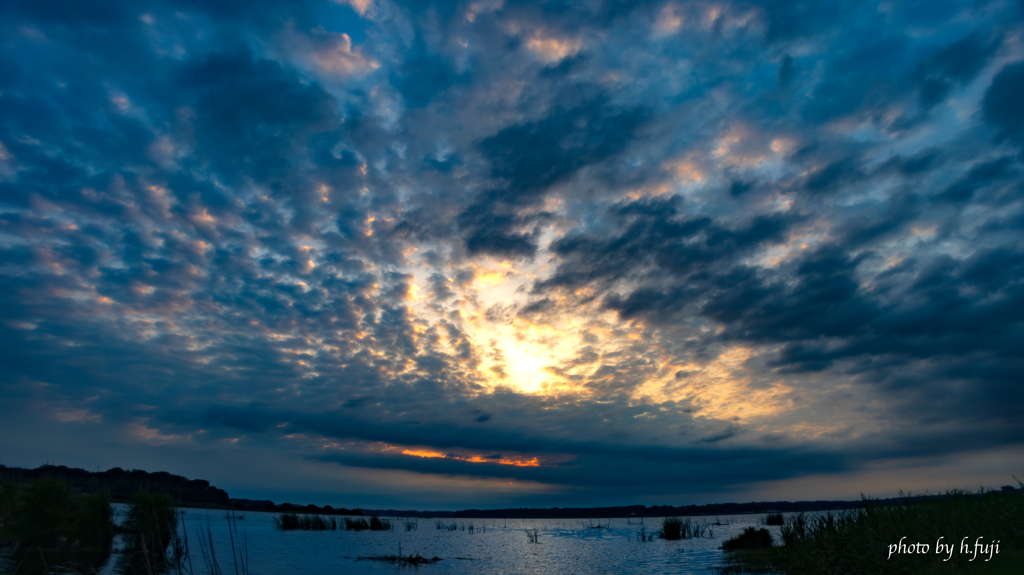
(239, 549)
(149, 529)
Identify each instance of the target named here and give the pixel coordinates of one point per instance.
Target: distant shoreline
(199, 494)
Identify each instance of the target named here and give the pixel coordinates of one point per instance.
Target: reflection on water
(477, 546)
(472, 547)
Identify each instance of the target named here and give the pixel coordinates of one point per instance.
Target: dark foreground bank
(959, 532)
(47, 527)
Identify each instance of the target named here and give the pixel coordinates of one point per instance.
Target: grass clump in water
(288, 521)
(674, 528)
(375, 524)
(866, 540)
(356, 524)
(774, 519)
(413, 560)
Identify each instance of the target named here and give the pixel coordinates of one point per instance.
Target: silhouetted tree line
(625, 510)
(121, 485)
(267, 505)
(669, 510)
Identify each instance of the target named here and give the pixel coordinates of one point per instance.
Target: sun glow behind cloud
(418, 239)
(576, 351)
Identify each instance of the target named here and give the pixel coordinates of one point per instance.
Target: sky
(442, 255)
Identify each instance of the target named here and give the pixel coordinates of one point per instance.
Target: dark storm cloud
(276, 223)
(657, 244)
(532, 157)
(999, 105)
(956, 64)
(526, 160)
(250, 114)
(587, 464)
(816, 304)
(628, 467)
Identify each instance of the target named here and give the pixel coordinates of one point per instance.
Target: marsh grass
(45, 525)
(176, 557)
(182, 558)
(149, 529)
(858, 541)
(150, 516)
(751, 538)
(674, 528)
(774, 519)
(447, 526)
(412, 560)
(47, 514)
(288, 521)
(356, 524)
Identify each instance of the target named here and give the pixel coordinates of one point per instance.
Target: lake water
(494, 547)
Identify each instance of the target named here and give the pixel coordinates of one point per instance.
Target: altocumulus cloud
(499, 252)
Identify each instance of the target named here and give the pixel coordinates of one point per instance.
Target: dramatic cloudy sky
(489, 253)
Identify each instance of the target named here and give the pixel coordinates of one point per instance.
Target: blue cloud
(666, 245)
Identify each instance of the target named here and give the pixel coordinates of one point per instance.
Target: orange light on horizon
(517, 462)
(422, 453)
(473, 458)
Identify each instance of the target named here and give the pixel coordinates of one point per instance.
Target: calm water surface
(494, 547)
